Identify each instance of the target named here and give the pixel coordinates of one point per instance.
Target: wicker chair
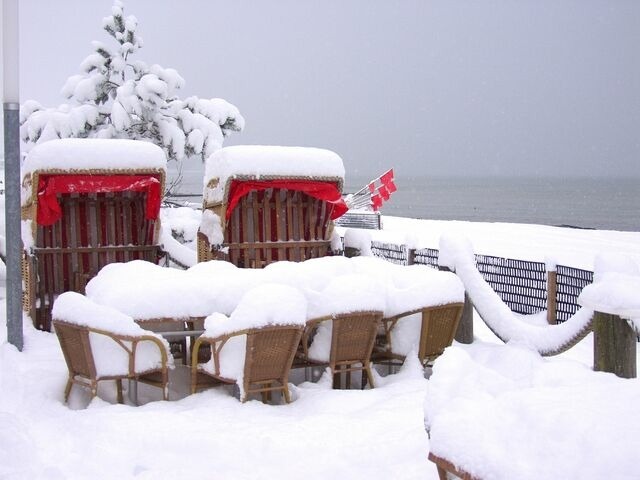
(268, 356)
(352, 339)
(75, 341)
(438, 328)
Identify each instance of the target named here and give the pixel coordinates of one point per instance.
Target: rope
(547, 340)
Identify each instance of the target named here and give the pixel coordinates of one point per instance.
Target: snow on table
(147, 291)
(330, 285)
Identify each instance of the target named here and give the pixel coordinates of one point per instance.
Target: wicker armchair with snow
(343, 342)
(437, 327)
(100, 343)
(255, 346)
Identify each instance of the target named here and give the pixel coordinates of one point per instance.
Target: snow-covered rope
(182, 256)
(456, 253)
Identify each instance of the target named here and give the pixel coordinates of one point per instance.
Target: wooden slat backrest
(95, 229)
(277, 224)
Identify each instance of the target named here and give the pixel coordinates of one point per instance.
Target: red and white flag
(375, 193)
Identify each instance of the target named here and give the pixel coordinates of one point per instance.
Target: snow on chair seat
(254, 347)
(100, 343)
(262, 204)
(86, 203)
(437, 326)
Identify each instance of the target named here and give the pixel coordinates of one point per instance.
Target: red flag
(372, 187)
(376, 202)
(391, 187)
(387, 177)
(384, 193)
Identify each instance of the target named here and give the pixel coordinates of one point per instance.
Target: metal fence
(570, 282)
(391, 252)
(426, 256)
(521, 284)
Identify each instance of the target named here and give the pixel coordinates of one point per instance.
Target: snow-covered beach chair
(100, 343)
(86, 203)
(264, 204)
(255, 346)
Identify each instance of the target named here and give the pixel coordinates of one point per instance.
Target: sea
(589, 203)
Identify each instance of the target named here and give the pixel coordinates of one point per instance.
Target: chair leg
(337, 377)
(369, 375)
(442, 473)
(266, 395)
(119, 390)
(347, 381)
(285, 393)
(67, 390)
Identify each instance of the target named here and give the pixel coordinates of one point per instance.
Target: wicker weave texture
(270, 353)
(439, 325)
(75, 345)
(352, 337)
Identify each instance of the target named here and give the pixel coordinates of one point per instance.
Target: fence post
(614, 345)
(411, 256)
(552, 291)
(351, 252)
(464, 334)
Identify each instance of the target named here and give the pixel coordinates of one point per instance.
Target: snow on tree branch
(117, 97)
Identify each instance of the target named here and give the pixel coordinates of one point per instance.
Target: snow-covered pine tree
(116, 97)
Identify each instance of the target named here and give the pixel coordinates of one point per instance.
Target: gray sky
(446, 87)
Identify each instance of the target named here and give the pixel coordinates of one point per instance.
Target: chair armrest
(216, 343)
(120, 340)
(309, 329)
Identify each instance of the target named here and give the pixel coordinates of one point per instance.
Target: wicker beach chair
(352, 336)
(80, 219)
(437, 330)
(75, 341)
(262, 218)
(268, 355)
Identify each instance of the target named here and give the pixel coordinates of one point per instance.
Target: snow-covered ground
(502, 411)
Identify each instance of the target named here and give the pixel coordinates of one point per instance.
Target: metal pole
(11, 103)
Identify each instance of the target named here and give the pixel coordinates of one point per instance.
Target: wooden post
(464, 334)
(351, 252)
(552, 291)
(411, 256)
(614, 345)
